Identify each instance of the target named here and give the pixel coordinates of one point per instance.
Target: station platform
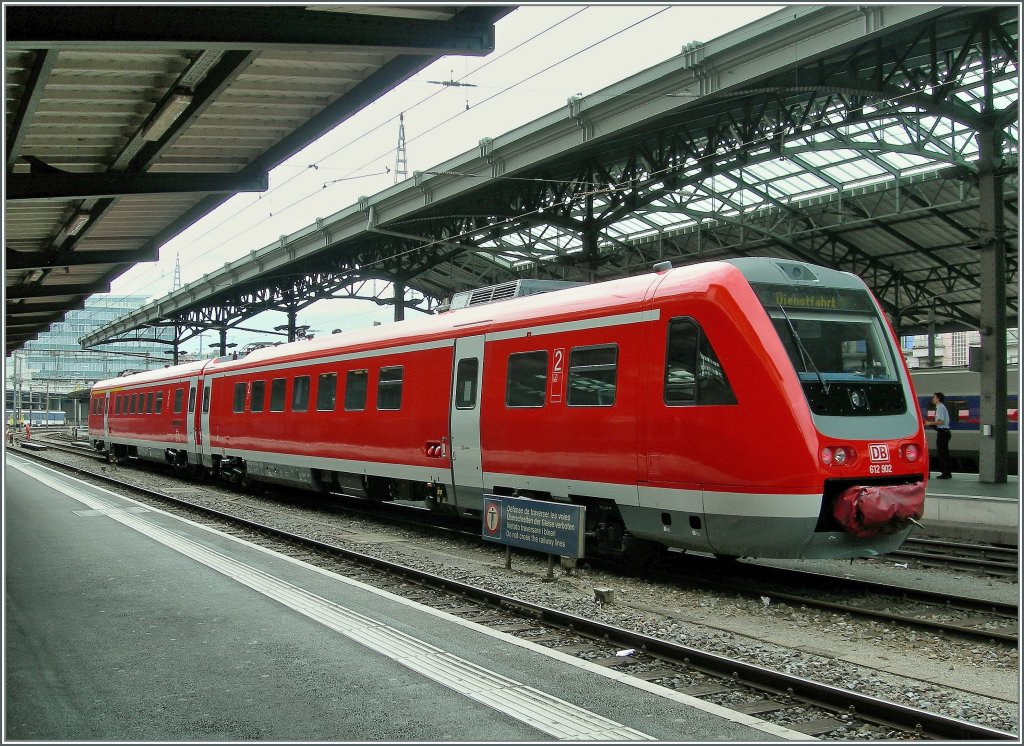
(966, 509)
(125, 623)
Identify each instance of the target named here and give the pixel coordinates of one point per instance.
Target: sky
(543, 55)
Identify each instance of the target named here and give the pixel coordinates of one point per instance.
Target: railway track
(929, 611)
(991, 560)
(802, 704)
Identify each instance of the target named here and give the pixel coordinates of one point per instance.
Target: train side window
(239, 403)
(179, 399)
(277, 395)
(158, 408)
(206, 398)
(592, 375)
(355, 390)
(389, 388)
(149, 403)
(134, 402)
(526, 385)
(191, 399)
(693, 373)
(258, 392)
(326, 392)
(300, 394)
(465, 383)
(117, 405)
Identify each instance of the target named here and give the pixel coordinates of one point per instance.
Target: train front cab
(824, 419)
(868, 445)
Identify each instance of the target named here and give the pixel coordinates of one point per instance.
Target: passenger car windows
(526, 385)
(191, 399)
(465, 383)
(389, 388)
(592, 374)
(206, 398)
(256, 399)
(239, 403)
(277, 395)
(300, 394)
(326, 392)
(179, 399)
(355, 390)
(693, 373)
(149, 403)
(159, 406)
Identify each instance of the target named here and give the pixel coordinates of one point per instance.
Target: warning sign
(552, 528)
(492, 517)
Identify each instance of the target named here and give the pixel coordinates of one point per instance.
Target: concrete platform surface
(126, 623)
(966, 509)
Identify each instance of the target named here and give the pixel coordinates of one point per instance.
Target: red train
(754, 407)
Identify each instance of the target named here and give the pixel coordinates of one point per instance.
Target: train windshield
(843, 361)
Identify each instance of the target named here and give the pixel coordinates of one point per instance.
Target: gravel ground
(961, 679)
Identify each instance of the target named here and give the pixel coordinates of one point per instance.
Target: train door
(204, 423)
(191, 419)
(464, 439)
(106, 417)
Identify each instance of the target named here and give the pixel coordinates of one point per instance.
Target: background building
(953, 349)
(41, 376)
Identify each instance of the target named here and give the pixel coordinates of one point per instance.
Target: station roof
(126, 124)
(844, 136)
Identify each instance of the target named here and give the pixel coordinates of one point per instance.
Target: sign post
(556, 529)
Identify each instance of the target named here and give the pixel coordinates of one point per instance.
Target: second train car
(754, 407)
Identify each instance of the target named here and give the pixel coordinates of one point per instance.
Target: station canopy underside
(126, 124)
(876, 151)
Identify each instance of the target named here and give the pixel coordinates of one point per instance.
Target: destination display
(813, 298)
(552, 528)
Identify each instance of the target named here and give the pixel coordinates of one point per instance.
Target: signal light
(910, 452)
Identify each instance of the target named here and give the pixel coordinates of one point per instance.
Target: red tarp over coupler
(877, 510)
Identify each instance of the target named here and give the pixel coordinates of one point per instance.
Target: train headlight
(910, 452)
(838, 455)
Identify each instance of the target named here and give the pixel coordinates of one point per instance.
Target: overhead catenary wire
(652, 175)
(144, 280)
(537, 35)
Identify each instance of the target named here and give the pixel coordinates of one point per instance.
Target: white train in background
(962, 388)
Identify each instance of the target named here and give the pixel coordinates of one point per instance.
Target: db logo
(878, 452)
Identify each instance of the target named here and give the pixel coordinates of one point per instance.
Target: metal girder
(14, 321)
(31, 306)
(38, 291)
(66, 185)
(54, 259)
(35, 84)
(238, 27)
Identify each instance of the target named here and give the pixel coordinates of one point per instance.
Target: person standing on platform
(942, 434)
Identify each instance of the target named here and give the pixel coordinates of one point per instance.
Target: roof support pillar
(292, 318)
(992, 457)
(399, 289)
